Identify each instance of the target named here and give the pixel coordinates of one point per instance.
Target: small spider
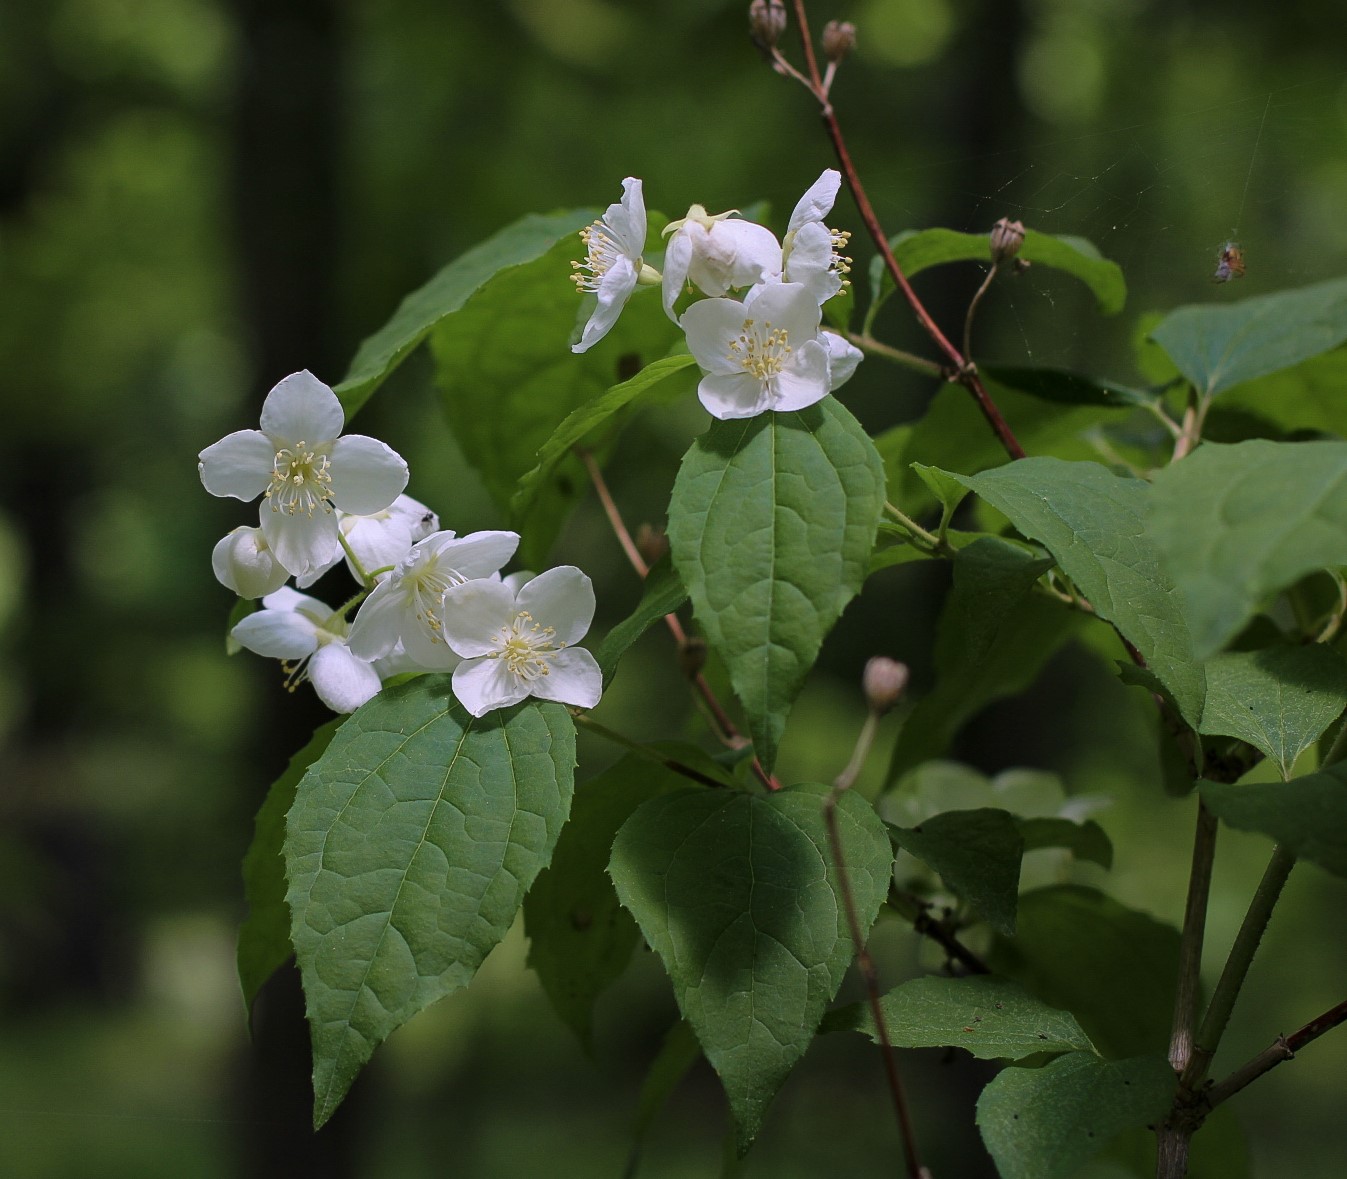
(1229, 263)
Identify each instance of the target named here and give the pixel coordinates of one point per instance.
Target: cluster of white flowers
(430, 600)
(764, 350)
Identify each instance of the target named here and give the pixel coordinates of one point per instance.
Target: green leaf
(977, 854)
(1280, 699)
(580, 938)
(737, 894)
(1112, 967)
(525, 240)
(1044, 1123)
(1307, 816)
(948, 490)
(408, 851)
(1094, 523)
(264, 937)
(1085, 841)
(508, 381)
(1306, 397)
(1216, 346)
(994, 638)
(662, 594)
(679, 1052)
(658, 378)
(1236, 524)
(771, 524)
(992, 1018)
(1067, 388)
(917, 250)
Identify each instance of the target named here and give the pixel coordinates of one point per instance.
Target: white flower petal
(787, 306)
(804, 381)
(367, 475)
(817, 201)
(628, 219)
(733, 395)
(278, 634)
(427, 649)
(732, 253)
(244, 563)
(342, 681)
(843, 357)
(479, 554)
(811, 262)
(419, 519)
(615, 288)
(713, 326)
(562, 598)
(378, 623)
(302, 409)
(302, 543)
(377, 541)
(474, 613)
(239, 465)
(575, 679)
(677, 257)
(482, 685)
(286, 598)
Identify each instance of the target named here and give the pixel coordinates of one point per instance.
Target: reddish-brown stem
(959, 368)
(1282, 1049)
(729, 733)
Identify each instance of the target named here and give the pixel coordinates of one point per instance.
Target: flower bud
(884, 680)
(244, 563)
(692, 656)
(839, 39)
(651, 543)
(767, 21)
(1007, 237)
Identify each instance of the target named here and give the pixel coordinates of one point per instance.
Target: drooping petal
(562, 598)
(485, 684)
(302, 543)
(811, 262)
(367, 475)
(342, 681)
(575, 678)
(302, 409)
(843, 357)
(244, 563)
(713, 328)
(728, 396)
(615, 288)
(474, 613)
(278, 634)
(804, 380)
(628, 219)
(239, 465)
(677, 257)
(817, 201)
(378, 624)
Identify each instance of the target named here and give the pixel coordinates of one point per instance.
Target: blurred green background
(200, 196)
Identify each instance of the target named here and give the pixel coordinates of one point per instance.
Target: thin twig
(645, 751)
(918, 912)
(1190, 945)
(867, 343)
(1281, 1049)
(972, 310)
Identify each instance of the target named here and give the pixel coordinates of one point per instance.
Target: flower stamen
(526, 647)
(761, 349)
(300, 481)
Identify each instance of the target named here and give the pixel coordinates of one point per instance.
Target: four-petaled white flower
(717, 253)
(613, 266)
(305, 470)
(764, 353)
(516, 645)
(310, 640)
(379, 540)
(811, 253)
(408, 606)
(244, 563)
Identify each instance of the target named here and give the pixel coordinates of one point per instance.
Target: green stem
(867, 343)
(1190, 945)
(972, 310)
(928, 539)
(364, 578)
(645, 751)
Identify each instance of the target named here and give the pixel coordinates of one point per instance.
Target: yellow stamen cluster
(603, 252)
(840, 262)
(525, 647)
(761, 351)
(300, 481)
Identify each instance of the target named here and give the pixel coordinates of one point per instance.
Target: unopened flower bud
(839, 39)
(884, 680)
(244, 563)
(692, 656)
(767, 21)
(651, 543)
(1007, 237)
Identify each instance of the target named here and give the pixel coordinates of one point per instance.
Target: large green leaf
(1094, 523)
(1112, 967)
(771, 524)
(737, 893)
(1066, 388)
(580, 938)
(662, 594)
(660, 378)
(1236, 524)
(1307, 816)
(408, 851)
(992, 1018)
(1306, 397)
(508, 381)
(1085, 841)
(1279, 699)
(977, 854)
(1221, 344)
(917, 250)
(264, 937)
(1044, 1123)
(525, 240)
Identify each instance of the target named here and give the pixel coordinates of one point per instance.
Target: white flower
(380, 539)
(519, 645)
(763, 353)
(811, 253)
(305, 470)
(843, 357)
(311, 642)
(408, 605)
(244, 563)
(613, 267)
(717, 253)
